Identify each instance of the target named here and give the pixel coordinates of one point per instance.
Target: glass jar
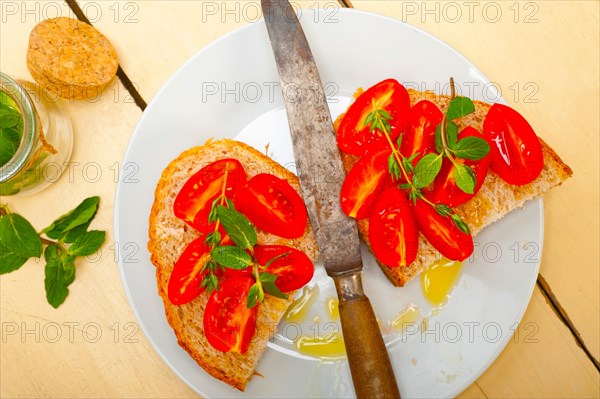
(45, 143)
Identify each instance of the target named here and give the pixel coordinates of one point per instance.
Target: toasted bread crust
(494, 200)
(168, 238)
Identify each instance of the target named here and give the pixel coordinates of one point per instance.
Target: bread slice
(168, 238)
(495, 199)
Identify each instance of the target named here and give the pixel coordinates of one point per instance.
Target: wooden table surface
(544, 56)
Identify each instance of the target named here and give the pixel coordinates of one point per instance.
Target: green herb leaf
(20, 242)
(210, 282)
(267, 277)
(443, 210)
(8, 147)
(87, 244)
(451, 134)
(439, 146)
(426, 170)
(73, 234)
(83, 213)
(238, 227)
(271, 289)
(408, 165)
(9, 117)
(11, 258)
(255, 294)
(393, 167)
(385, 115)
(471, 147)
(213, 238)
(464, 178)
(59, 274)
(231, 257)
(399, 141)
(459, 107)
(369, 119)
(462, 226)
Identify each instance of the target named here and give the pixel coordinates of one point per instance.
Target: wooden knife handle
(372, 372)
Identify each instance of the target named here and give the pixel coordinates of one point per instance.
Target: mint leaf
(267, 277)
(211, 282)
(83, 213)
(19, 239)
(459, 107)
(8, 148)
(393, 167)
(238, 227)
(9, 117)
(59, 274)
(231, 257)
(443, 210)
(11, 258)
(87, 244)
(213, 238)
(272, 289)
(254, 295)
(73, 234)
(462, 226)
(451, 134)
(464, 178)
(439, 146)
(426, 170)
(471, 147)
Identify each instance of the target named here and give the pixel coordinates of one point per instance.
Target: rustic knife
(321, 175)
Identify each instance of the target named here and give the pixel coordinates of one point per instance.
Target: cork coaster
(71, 58)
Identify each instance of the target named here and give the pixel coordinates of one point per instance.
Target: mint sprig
(239, 256)
(426, 170)
(19, 242)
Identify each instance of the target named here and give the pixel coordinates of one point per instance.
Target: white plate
(230, 89)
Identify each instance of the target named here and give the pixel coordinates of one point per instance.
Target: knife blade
(321, 173)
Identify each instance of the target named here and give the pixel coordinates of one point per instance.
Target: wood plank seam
(346, 3)
(564, 317)
(133, 92)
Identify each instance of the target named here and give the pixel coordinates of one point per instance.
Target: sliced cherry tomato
(228, 323)
(272, 205)
(292, 267)
(352, 135)
(424, 118)
(230, 273)
(368, 177)
(184, 283)
(194, 201)
(392, 229)
(442, 233)
(445, 191)
(516, 150)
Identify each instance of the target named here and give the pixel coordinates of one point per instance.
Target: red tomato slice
(442, 233)
(516, 150)
(392, 229)
(228, 323)
(293, 271)
(353, 137)
(363, 184)
(424, 118)
(194, 201)
(445, 191)
(272, 205)
(184, 283)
